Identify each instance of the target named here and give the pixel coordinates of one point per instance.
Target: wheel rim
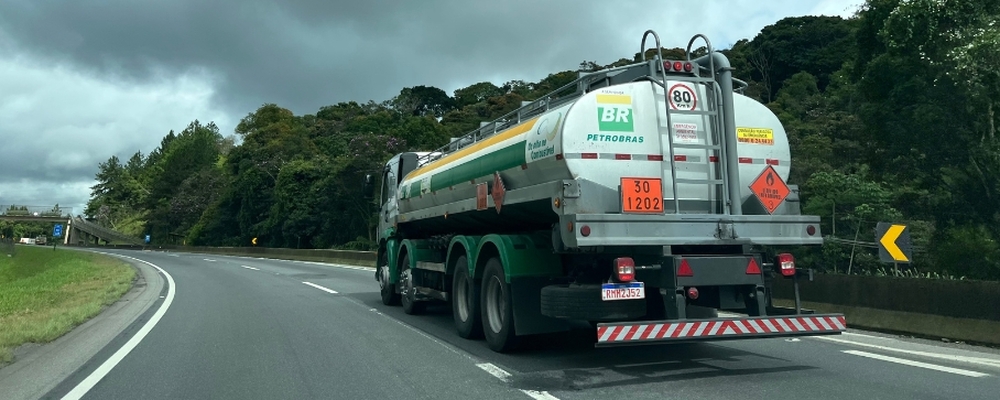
(462, 300)
(495, 307)
(383, 277)
(406, 284)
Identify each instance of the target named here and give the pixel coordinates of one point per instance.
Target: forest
(891, 116)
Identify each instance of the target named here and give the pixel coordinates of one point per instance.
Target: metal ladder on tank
(717, 182)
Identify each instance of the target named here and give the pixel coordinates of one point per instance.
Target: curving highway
(224, 327)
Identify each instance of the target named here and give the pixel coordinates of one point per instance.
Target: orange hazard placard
(770, 189)
(642, 195)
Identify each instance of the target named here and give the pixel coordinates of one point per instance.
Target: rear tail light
(678, 66)
(693, 293)
(684, 269)
(625, 269)
(786, 264)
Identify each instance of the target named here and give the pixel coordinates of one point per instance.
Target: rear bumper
(668, 229)
(648, 332)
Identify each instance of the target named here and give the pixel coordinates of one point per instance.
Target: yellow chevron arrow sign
(895, 242)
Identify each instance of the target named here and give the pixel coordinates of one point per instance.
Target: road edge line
(91, 380)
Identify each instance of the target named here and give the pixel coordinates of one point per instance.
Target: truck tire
(386, 289)
(497, 309)
(465, 302)
(583, 302)
(409, 296)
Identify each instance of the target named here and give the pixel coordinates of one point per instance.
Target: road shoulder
(37, 369)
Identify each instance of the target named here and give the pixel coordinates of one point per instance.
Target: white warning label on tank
(685, 132)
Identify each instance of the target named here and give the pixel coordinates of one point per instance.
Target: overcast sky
(83, 80)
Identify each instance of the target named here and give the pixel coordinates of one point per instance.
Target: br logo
(614, 113)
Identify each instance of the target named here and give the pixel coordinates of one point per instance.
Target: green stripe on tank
(414, 189)
(499, 160)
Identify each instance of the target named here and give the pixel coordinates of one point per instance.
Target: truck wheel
(409, 291)
(583, 302)
(388, 290)
(465, 302)
(497, 310)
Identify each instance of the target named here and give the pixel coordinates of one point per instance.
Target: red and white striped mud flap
(719, 329)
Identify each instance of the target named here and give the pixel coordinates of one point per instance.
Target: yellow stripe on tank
(614, 99)
(516, 130)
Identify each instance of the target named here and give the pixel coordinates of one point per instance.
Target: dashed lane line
(323, 288)
(964, 359)
(903, 361)
(504, 376)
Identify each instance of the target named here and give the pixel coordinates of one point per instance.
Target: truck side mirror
(369, 187)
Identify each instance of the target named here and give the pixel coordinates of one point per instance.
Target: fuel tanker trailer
(640, 199)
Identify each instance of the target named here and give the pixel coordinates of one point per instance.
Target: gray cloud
(82, 80)
(307, 53)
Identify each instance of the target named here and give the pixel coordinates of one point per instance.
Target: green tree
(818, 45)
(476, 93)
(421, 101)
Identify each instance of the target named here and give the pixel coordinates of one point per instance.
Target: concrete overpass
(80, 229)
(34, 213)
(75, 229)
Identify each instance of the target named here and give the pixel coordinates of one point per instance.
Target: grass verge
(44, 293)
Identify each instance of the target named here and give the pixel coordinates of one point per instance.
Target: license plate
(623, 291)
(642, 195)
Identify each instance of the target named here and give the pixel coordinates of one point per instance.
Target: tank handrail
(548, 101)
(742, 85)
(708, 45)
(659, 47)
(544, 103)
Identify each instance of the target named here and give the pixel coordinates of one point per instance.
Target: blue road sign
(57, 230)
(147, 239)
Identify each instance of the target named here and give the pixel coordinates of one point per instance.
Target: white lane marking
(539, 395)
(965, 359)
(209, 260)
(645, 364)
(338, 266)
(249, 267)
(414, 330)
(867, 336)
(502, 375)
(495, 371)
(919, 364)
(88, 383)
(342, 266)
(325, 289)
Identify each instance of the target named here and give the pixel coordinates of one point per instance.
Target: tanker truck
(636, 201)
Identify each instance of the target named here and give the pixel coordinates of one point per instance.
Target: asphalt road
(242, 328)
